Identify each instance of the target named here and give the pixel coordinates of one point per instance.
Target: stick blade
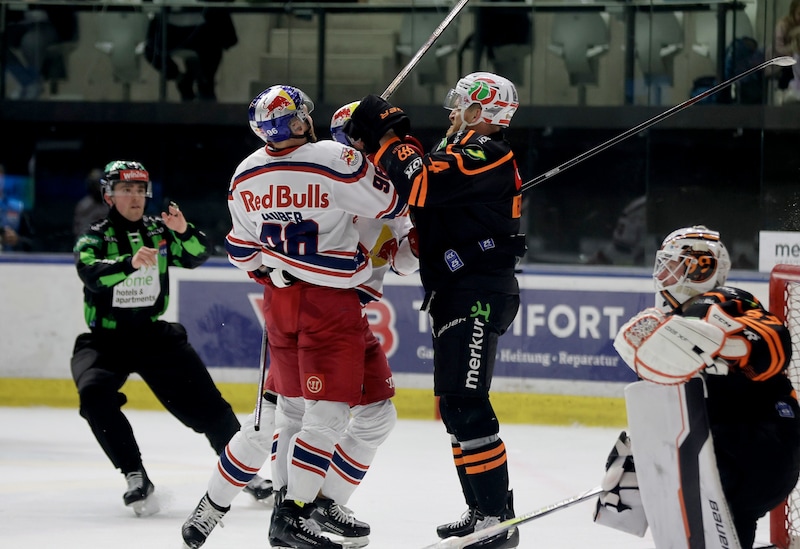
(469, 539)
(784, 61)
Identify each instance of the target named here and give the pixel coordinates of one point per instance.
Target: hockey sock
(311, 450)
(239, 462)
(242, 457)
(369, 427)
(466, 487)
(486, 470)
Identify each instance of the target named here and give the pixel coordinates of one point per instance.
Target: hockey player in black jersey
(715, 352)
(465, 202)
(123, 262)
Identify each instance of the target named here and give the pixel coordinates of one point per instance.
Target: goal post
(784, 302)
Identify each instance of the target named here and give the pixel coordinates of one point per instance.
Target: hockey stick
(262, 376)
(423, 49)
(784, 61)
(460, 543)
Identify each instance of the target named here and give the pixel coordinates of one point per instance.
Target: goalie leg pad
(676, 466)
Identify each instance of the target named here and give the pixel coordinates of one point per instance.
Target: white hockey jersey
(294, 210)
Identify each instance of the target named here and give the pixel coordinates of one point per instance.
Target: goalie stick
(460, 543)
(262, 377)
(423, 49)
(784, 61)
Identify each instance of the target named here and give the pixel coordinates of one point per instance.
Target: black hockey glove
(372, 119)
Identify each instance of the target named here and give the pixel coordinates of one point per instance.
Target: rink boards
(556, 364)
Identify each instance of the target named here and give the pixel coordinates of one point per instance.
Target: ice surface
(57, 488)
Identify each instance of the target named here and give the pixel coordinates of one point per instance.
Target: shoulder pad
(728, 298)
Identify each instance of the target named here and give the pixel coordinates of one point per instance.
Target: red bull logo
(280, 102)
(349, 156)
(342, 114)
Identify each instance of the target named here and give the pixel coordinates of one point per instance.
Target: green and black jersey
(115, 294)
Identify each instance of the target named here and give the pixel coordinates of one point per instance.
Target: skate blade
(145, 507)
(268, 502)
(350, 543)
(355, 543)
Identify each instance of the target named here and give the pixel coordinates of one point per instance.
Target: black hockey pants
(162, 355)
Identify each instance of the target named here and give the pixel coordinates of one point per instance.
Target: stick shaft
(646, 124)
(262, 376)
(460, 543)
(423, 49)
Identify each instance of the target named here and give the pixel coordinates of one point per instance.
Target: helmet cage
(690, 262)
(125, 171)
(496, 95)
(271, 113)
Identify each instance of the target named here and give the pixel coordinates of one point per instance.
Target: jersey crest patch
(349, 156)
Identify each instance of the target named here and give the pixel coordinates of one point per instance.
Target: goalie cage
(784, 302)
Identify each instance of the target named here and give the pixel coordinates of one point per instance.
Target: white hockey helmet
(691, 261)
(272, 111)
(496, 95)
(338, 120)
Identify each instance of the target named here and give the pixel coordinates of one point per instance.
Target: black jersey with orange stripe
(756, 387)
(465, 199)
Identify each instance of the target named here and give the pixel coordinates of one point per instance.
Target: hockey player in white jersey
(715, 425)
(292, 202)
(394, 239)
(302, 436)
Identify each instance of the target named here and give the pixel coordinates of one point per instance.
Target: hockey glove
(413, 241)
(620, 504)
(669, 351)
(415, 144)
(372, 119)
(260, 275)
(736, 346)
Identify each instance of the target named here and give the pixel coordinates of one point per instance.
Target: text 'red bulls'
(282, 196)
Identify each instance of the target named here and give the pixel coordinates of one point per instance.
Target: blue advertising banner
(558, 333)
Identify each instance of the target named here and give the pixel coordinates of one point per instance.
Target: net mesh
(785, 303)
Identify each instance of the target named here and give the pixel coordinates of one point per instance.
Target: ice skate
(504, 540)
(139, 495)
(203, 519)
(462, 527)
(292, 527)
(339, 521)
(260, 488)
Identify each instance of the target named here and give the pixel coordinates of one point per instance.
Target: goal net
(784, 302)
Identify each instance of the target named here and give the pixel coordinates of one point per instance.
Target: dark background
(723, 166)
